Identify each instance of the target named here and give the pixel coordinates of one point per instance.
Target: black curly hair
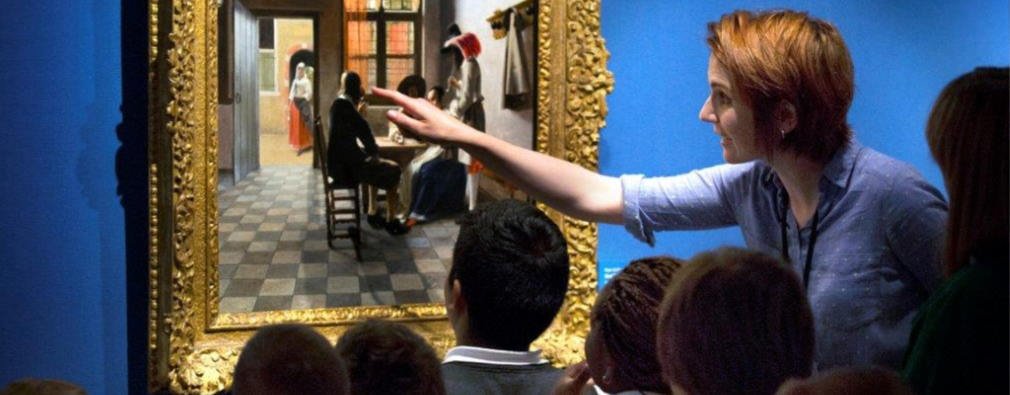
(626, 313)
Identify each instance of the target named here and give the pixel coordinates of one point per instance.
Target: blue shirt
(876, 255)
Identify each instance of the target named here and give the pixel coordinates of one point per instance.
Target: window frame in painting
(381, 16)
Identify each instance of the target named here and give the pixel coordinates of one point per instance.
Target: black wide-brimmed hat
(451, 33)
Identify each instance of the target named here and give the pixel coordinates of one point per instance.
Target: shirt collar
(838, 171)
(631, 392)
(491, 356)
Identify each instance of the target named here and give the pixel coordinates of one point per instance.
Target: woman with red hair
(860, 229)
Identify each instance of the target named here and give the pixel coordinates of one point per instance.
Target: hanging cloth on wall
(517, 78)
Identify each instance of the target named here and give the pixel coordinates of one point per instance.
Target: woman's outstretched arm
(564, 186)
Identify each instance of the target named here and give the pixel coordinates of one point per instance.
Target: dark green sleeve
(959, 342)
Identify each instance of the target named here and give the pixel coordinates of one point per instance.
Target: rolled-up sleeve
(701, 199)
(631, 185)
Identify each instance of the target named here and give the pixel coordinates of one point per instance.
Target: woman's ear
(786, 118)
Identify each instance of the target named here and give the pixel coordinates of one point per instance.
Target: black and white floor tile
(274, 254)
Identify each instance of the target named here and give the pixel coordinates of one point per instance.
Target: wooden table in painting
(402, 154)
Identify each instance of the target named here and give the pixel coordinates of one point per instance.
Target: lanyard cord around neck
(783, 224)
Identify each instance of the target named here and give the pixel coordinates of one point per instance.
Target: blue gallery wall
(904, 52)
(72, 181)
(72, 195)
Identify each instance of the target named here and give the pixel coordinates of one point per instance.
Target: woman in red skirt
(300, 111)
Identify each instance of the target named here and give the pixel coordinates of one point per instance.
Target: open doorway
(287, 91)
(260, 122)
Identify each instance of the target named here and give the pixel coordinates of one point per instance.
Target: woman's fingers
(421, 118)
(416, 108)
(573, 381)
(413, 112)
(578, 372)
(405, 122)
(400, 99)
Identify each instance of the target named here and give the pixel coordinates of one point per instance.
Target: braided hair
(626, 314)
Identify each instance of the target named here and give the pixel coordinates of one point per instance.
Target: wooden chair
(343, 205)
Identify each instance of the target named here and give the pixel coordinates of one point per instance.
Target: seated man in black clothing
(508, 281)
(346, 159)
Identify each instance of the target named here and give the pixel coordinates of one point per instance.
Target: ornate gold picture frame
(193, 347)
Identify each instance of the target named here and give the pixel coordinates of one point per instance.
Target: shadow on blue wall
(74, 207)
(132, 174)
(123, 223)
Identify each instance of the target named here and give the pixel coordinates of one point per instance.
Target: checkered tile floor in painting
(274, 254)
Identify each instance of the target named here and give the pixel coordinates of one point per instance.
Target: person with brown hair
(734, 322)
(862, 230)
(289, 359)
(959, 340)
(42, 387)
(385, 357)
(846, 381)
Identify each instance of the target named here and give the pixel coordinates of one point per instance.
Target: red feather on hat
(467, 43)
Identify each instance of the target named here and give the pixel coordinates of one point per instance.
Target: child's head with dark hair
(735, 322)
(42, 387)
(289, 359)
(509, 276)
(386, 357)
(844, 381)
(621, 346)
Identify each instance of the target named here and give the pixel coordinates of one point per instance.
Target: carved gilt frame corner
(192, 346)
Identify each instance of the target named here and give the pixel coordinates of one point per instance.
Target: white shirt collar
(632, 392)
(491, 356)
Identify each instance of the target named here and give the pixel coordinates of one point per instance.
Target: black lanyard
(783, 224)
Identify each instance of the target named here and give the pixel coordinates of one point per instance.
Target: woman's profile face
(732, 119)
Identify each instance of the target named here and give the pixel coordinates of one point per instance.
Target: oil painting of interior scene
(323, 202)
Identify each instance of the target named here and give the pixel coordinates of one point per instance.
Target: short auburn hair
(787, 55)
(735, 322)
